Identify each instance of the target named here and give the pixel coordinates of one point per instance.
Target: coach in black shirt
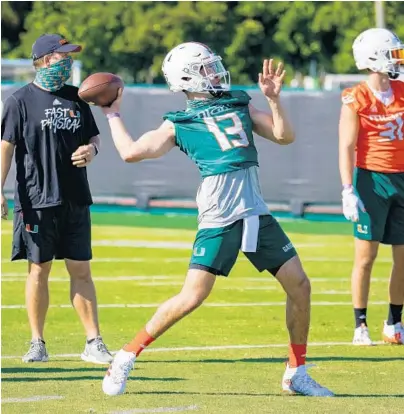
(54, 137)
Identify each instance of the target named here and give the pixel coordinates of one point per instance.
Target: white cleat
(114, 382)
(97, 352)
(298, 381)
(361, 336)
(37, 352)
(393, 334)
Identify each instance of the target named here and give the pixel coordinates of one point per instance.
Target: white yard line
(137, 278)
(143, 243)
(6, 277)
(143, 232)
(14, 275)
(312, 279)
(158, 410)
(34, 398)
(161, 284)
(187, 258)
(159, 244)
(341, 259)
(133, 260)
(246, 287)
(209, 305)
(206, 348)
(101, 279)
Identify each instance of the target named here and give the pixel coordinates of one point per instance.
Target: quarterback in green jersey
(215, 130)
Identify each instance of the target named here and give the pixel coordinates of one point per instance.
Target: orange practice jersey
(380, 145)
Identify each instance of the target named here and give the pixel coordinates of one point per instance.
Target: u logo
(199, 251)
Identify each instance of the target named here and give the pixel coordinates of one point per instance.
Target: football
(100, 89)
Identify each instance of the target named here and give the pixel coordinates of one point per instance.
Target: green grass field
(227, 357)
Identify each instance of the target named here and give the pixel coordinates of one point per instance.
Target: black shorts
(62, 232)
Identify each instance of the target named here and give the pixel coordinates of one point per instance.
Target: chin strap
(216, 94)
(393, 76)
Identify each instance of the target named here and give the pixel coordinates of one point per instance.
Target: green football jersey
(217, 134)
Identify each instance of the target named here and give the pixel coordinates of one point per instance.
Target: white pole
(379, 14)
(76, 73)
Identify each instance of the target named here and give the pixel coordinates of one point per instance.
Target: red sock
(139, 342)
(297, 355)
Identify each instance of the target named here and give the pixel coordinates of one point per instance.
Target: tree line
(132, 38)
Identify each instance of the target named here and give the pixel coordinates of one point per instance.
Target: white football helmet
(193, 67)
(379, 50)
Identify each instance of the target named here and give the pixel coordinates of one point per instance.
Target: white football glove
(351, 204)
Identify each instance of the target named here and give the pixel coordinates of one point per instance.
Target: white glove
(351, 204)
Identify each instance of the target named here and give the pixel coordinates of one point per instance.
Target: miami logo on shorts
(199, 251)
(362, 229)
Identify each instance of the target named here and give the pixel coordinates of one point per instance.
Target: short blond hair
(40, 62)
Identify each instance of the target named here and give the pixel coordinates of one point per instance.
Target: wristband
(113, 115)
(96, 150)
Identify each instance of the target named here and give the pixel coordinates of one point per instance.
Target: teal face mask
(56, 75)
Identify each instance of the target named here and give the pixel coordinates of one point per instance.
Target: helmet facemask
(207, 75)
(395, 62)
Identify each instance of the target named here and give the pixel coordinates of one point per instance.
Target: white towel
(251, 226)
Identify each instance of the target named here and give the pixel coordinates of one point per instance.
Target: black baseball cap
(49, 43)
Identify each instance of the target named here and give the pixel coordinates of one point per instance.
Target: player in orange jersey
(371, 125)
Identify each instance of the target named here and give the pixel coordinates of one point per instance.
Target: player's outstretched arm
(152, 144)
(348, 136)
(275, 127)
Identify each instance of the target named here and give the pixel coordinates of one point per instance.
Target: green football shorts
(383, 197)
(216, 249)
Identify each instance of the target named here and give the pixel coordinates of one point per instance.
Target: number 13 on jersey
(232, 136)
